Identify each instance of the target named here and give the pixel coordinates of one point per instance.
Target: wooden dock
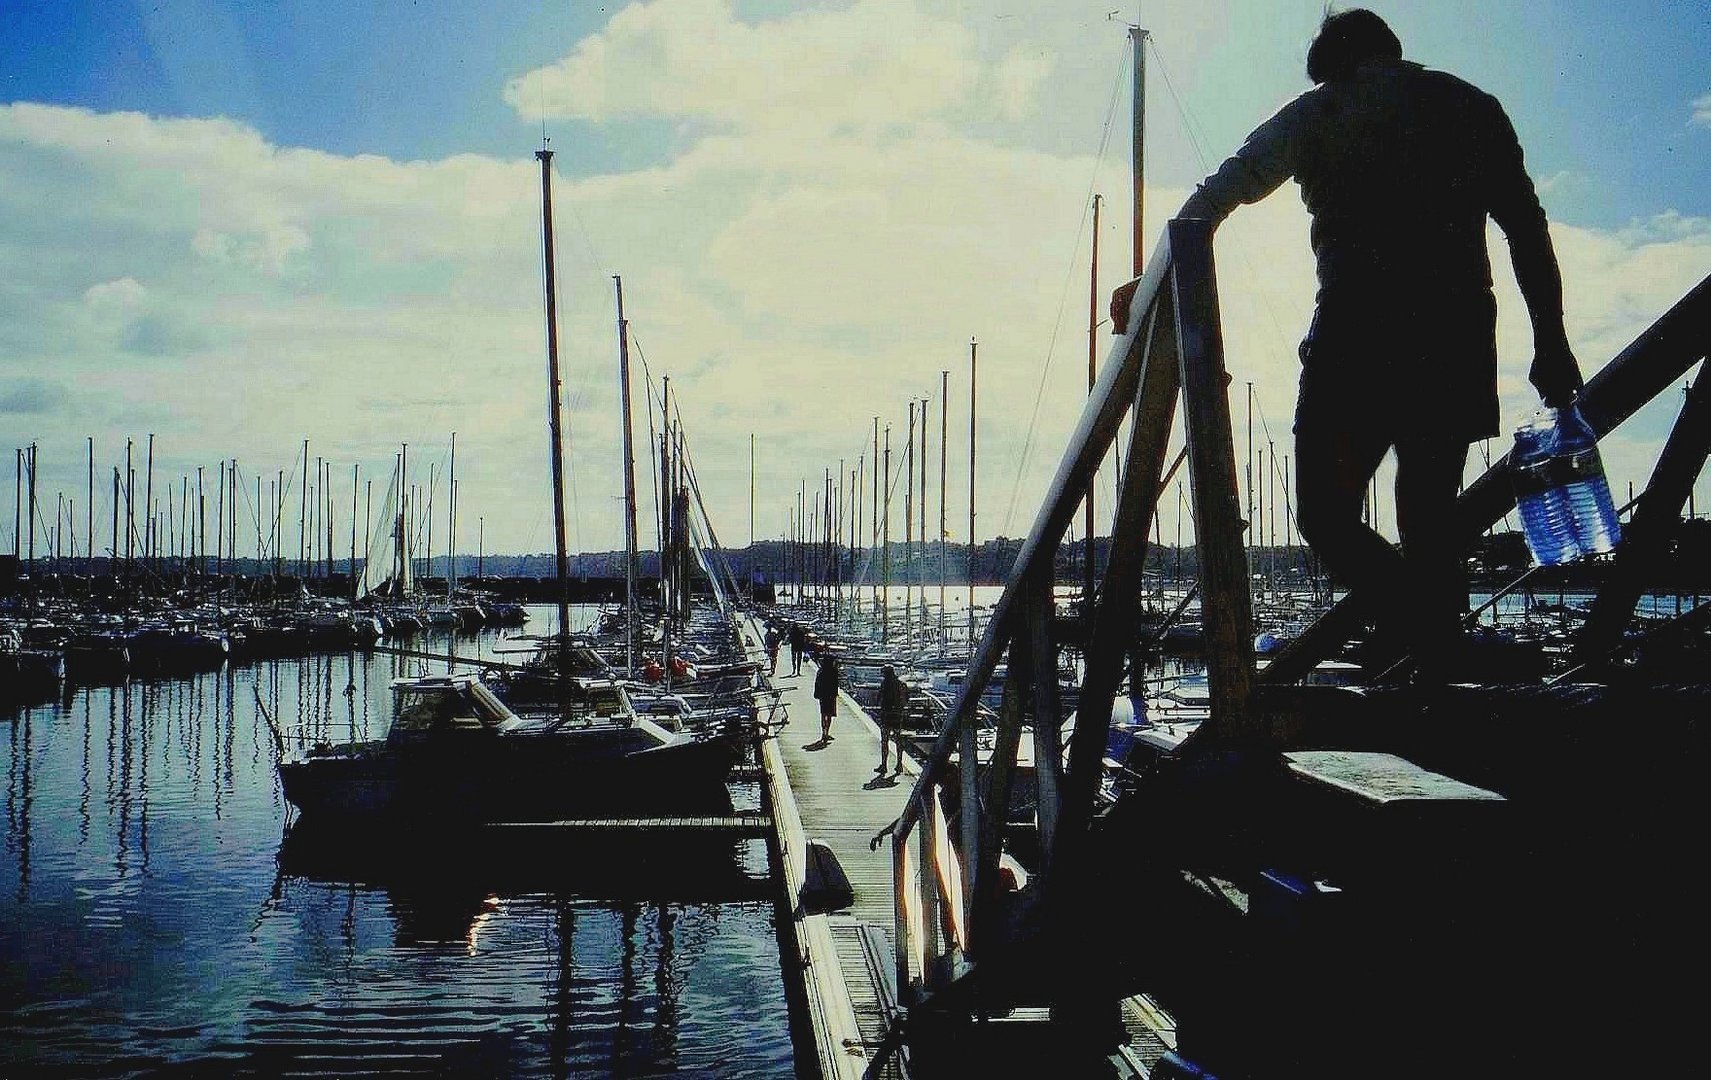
(831, 794)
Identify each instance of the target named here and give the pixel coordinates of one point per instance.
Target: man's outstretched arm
(1256, 170)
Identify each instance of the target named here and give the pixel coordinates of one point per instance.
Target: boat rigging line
(1063, 296)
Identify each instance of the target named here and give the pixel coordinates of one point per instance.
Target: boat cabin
(447, 703)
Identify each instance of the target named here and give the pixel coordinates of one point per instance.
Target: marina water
(153, 920)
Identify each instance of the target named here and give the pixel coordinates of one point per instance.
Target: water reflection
(155, 912)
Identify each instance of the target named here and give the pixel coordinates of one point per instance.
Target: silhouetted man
(798, 645)
(1399, 167)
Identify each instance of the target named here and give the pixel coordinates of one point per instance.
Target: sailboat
(455, 749)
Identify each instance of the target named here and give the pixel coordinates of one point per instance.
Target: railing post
(1226, 606)
(995, 811)
(1048, 748)
(975, 835)
(900, 915)
(929, 889)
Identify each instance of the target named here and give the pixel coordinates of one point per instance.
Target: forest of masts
(839, 544)
(206, 522)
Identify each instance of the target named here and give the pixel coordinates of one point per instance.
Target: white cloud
(826, 240)
(1701, 116)
(1016, 80)
(873, 65)
(269, 250)
(124, 294)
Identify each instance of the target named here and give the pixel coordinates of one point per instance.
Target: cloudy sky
(239, 226)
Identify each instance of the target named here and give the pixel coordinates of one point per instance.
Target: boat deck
(830, 793)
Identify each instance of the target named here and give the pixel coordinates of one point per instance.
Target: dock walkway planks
(755, 825)
(830, 794)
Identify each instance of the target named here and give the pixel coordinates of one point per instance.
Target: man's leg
(1428, 476)
(1334, 463)
(1333, 467)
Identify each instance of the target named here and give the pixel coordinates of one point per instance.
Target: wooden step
(1380, 779)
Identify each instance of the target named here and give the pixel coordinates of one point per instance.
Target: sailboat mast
(113, 554)
(1138, 176)
(665, 567)
(428, 517)
(1138, 146)
(451, 523)
(130, 509)
(973, 370)
(908, 525)
(330, 512)
(921, 563)
(201, 516)
(148, 506)
(89, 510)
(878, 482)
(885, 541)
(219, 518)
(630, 486)
(1087, 574)
(1250, 476)
(303, 517)
(405, 568)
(555, 441)
(356, 582)
(944, 449)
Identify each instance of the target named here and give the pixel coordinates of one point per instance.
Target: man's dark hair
(1345, 39)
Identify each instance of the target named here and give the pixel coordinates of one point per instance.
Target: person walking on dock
(772, 643)
(1399, 167)
(893, 696)
(826, 690)
(798, 645)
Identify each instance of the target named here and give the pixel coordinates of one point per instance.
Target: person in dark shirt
(1399, 167)
(893, 697)
(826, 691)
(798, 643)
(772, 643)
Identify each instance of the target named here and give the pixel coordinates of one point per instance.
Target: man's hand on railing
(1121, 298)
(879, 837)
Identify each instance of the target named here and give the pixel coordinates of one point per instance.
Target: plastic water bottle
(1581, 472)
(1546, 517)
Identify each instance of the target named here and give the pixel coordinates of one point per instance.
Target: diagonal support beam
(1112, 633)
(1646, 541)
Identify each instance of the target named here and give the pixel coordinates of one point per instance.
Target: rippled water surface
(156, 918)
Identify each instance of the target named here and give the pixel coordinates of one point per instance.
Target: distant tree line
(1495, 559)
